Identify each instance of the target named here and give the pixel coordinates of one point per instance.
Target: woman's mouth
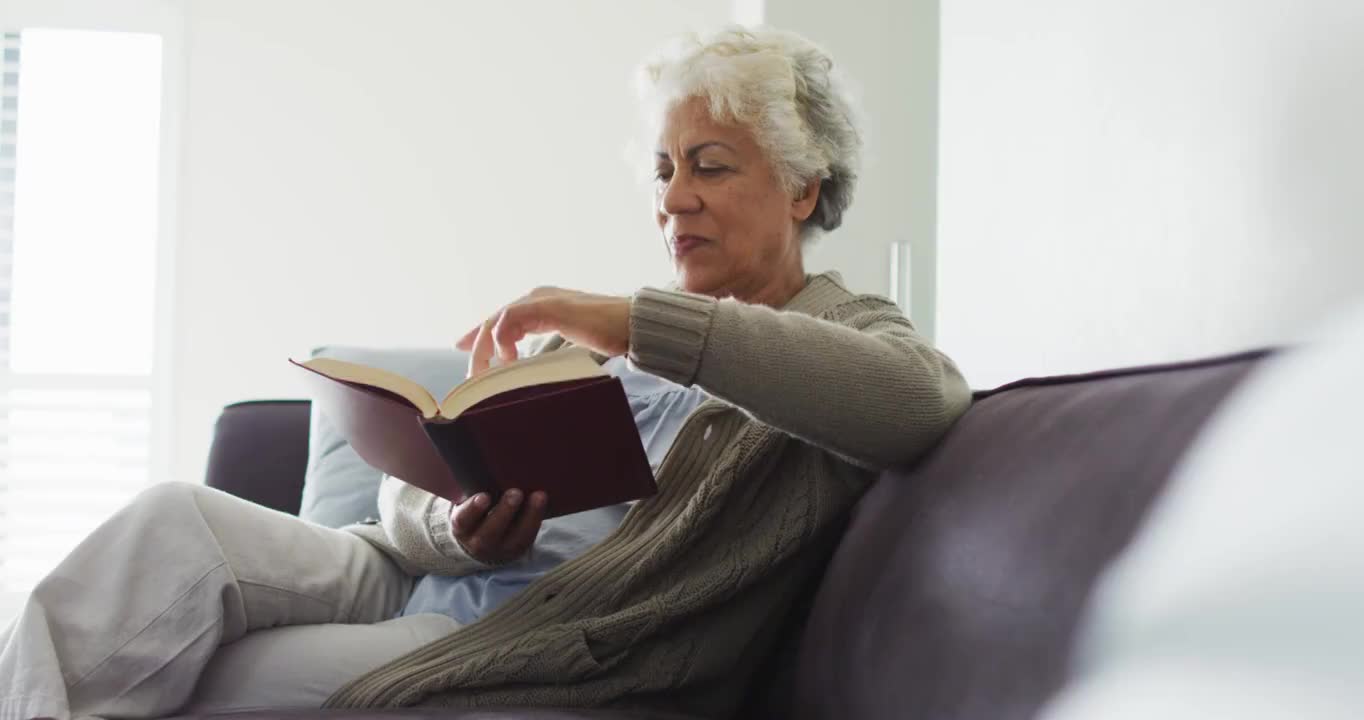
(683, 244)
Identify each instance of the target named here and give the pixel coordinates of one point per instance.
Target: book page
(351, 372)
(572, 363)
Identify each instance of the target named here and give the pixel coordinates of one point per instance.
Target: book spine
(461, 451)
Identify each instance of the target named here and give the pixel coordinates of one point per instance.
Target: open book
(555, 422)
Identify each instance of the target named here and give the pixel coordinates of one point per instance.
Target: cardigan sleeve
(867, 388)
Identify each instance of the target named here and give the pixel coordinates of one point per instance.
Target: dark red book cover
(574, 440)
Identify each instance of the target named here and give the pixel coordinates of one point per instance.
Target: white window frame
(165, 18)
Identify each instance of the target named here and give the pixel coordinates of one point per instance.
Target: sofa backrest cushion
(958, 587)
(259, 452)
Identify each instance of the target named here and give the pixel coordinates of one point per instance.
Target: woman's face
(730, 226)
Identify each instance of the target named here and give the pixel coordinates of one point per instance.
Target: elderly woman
(766, 399)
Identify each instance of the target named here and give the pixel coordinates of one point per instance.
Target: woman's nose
(678, 197)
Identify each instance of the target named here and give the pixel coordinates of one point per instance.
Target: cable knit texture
(676, 608)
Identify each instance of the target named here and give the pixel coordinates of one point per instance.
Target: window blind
(9, 103)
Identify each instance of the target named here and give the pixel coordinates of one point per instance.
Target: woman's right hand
(498, 534)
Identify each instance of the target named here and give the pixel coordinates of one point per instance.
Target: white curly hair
(781, 86)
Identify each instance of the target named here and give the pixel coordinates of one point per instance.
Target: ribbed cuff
(440, 528)
(668, 332)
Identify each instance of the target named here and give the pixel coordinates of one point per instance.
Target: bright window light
(85, 203)
(79, 152)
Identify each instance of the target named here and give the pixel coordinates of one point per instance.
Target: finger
(526, 317)
(469, 515)
(466, 343)
(527, 527)
(482, 352)
(470, 339)
(491, 534)
(518, 320)
(509, 330)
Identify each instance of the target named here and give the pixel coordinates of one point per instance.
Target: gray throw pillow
(339, 488)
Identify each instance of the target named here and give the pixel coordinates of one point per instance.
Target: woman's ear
(804, 203)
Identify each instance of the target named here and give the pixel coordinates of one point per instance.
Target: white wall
(365, 172)
(889, 50)
(1124, 182)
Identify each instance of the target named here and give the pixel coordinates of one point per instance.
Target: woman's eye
(663, 175)
(710, 169)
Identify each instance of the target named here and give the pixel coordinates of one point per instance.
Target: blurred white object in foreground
(1243, 597)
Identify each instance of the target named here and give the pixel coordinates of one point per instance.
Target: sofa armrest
(260, 452)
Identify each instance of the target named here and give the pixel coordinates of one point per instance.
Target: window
(80, 142)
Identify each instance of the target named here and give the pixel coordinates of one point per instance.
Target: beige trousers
(191, 600)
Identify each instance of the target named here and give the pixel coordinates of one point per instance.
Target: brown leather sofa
(959, 585)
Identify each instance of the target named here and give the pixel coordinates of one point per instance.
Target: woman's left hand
(597, 322)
